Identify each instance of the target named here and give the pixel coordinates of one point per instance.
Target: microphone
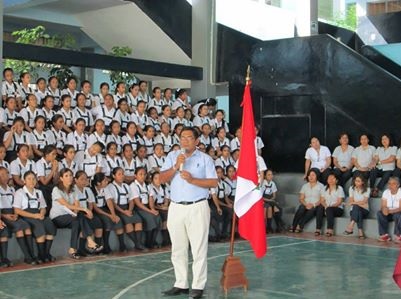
(183, 151)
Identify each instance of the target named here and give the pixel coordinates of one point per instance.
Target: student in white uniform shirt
(225, 159)
(68, 160)
(154, 119)
(157, 100)
(120, 93)
(141, 157)
(53, 90)
(47, 108)
(71, 90)
(30, 205)
(113, 160)
(128, 163)
(202, 116)
(78, 139)
(359, 201)
(258, 141)
(107, 112)
(123, 116)
(22, 164)
(39, 137)
(67, 113)
(309, 197)
(342, 159)
(205, 137)
(131, 136)
(168, 96)
(132, 97)
(220, 140)
(385, 157)
(92, 161)
(16, 137)
(231, 181)
(181, 99)
(55, 135)
(164, 137)
(143, 92)
(166, 116)
(9, 88)
(156, 160)
(3, 162)
(180, 118)
(236, 141)
(364, 160)
(99, 134)
(86, 88)
(332, 198)
(24, 88)
(81, 111)
(318, 157)
(148, 139)
(176, 134)
(9, 113)
(30, 112)
(104, 89)
(115, 136)
(40, 92)
(66, 212)
(219, 121)
(140, 118)
(390, 211)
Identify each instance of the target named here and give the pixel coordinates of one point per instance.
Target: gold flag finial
(248, 74)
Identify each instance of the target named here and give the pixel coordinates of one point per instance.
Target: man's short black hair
(192, 129)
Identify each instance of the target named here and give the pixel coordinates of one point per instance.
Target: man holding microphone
(191, 173)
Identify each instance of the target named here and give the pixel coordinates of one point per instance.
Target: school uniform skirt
(4, 233)
(41, 227)
(14, 226)
(150, 221)
(135, 218)
(95, 222)
(106, 222)
(163, 215)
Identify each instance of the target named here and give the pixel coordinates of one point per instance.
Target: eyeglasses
(186, 137)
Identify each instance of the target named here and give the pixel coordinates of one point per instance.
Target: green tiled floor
(293, 268)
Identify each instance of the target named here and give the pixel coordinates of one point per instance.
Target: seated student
(148, 139)
(71, 90)
(81, 111)
(41, 89)
(4, 261)
(385, 159)
(161, 196)
(113, 160)
(104, 209)
(56, 136)
(99, 134)
(259, 142)
(359, 202)
(235, 143)
(219, 122)
(68, 160)
(124, 204)
(211, 152)
(332, 198)
(202, 117)
(363, 159)
(30, 205)
(105, 111)
(181, 99)
(205, 137)
(231, 181)
(21, 165)
(47, 108)
(10, 113)
(9, 87)
(123, 117)
(390, 211)
(220, 140)
(16, 137)
(128, 164)
(47, 173)
(156, 160)
(272, 209)
(166, 116)
(114, 136)
(131, 137)
(39, 137)
(143, 92)
(66, 213)
(225, 159)
(221, 208)
(180, 118)
(16, 225)
(86, 88)
(342, 159)
(78, 139)
(93, 161)
(132, 97)
(318, 157)
(99, 99)
(157, 100)
(164, 137)
(141, 158)
(4, 163)
(309, 197)
(54, 91)
(168, 96)
(154, 119)
(176, 134)
(145, 207)
(30, 112)
(119, 93)
(140, 118)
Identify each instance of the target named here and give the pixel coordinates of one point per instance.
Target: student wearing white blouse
(318, 157)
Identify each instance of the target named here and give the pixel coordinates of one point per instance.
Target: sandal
(298, 231)
(317, 233)
(347, 233)
(74, 256)
(291, 230)
(362, 237)
(329, 234)
(96, 249)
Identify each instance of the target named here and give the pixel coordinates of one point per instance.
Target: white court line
(122, 292)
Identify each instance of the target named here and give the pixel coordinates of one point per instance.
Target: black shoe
(30, 261)
(196, 294)
(7, 262)
(176, 291)
(141, 248)
(50, 258)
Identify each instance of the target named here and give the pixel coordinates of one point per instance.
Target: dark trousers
(358, 214)
(385, 175)
(220, 223)
(342, 176)
(331, 213)
(76, 224)
(303, 216)
(384, 221)
(368, 175)
(322, 176)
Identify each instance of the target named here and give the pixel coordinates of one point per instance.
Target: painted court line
(122, 292)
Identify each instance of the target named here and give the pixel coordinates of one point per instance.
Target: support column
(314, 11)
(203, 47)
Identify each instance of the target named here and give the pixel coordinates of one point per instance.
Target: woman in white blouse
(318, 157)
(342, 159)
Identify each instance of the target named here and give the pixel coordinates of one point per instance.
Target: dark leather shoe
(175, 291)
(196, 294)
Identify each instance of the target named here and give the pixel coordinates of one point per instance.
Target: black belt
(187, 203)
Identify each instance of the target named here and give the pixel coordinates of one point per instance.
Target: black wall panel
(388, 25)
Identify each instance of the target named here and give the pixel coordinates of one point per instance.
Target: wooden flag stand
(233, 271)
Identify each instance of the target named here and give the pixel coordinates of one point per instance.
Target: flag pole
(233, 272)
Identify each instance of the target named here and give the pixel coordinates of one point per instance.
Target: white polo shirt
(383, 154)
(318, 158)
(343, 157)
(393, 200)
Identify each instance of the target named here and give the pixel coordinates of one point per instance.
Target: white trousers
(189, 224)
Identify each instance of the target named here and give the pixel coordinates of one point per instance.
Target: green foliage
(348, 20)
(38, 36)
(116, 76)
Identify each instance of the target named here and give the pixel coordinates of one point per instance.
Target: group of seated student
(90, 163)
(323, 194)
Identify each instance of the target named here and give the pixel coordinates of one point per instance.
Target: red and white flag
(397, 271)
(248, 204)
